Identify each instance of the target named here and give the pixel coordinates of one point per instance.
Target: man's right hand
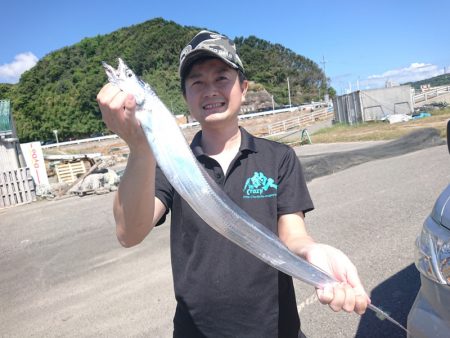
(118, 112)
(136, 209)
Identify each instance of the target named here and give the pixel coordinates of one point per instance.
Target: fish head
(127, 81)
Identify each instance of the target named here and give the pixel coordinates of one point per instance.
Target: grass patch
(377, 130)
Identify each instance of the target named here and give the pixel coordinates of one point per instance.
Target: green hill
(440, 80)
(59, 91)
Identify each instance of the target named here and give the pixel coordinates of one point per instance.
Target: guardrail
(84, 140)
(193, 124)
(299, 122)
(268, 112)
(312, 105)
(248, 116)
(435, 92)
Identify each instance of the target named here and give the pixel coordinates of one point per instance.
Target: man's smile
(213, 106)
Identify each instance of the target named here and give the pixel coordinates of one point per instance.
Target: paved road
(63, 273)
(373, 212)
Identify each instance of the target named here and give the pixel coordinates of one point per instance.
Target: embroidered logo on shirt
(259, 186)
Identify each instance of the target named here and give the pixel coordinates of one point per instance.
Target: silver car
(430, 313)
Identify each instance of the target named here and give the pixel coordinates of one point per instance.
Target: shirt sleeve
(164, 192)
(293, 194)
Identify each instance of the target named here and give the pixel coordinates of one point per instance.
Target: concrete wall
(379, 103)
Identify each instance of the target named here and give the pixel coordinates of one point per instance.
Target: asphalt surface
(317, 165)
(63, 274)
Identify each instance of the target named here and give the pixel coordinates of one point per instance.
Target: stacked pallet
(69, 172)
(16, 187)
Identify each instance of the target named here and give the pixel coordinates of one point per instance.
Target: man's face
(213, 92)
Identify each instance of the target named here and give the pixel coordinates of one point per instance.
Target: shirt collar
(247, 143)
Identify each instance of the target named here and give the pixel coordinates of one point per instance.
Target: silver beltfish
(175, 159)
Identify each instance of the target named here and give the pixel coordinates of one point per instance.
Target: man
(221, 290)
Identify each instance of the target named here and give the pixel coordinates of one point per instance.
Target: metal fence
(5, 117)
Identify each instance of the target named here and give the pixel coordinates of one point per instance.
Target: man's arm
(136, 210)
(348, 295)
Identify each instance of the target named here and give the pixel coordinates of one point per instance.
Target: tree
(331, 92)
(59, 92)
(6, 91)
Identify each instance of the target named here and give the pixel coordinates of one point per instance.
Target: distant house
(373, 104)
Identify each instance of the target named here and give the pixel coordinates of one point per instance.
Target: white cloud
(414, 72)
(10, 72)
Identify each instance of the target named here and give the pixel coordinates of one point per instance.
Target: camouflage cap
(212, 44)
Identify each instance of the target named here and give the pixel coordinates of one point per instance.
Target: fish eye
(129, 73)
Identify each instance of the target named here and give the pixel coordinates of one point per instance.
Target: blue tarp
(421, 115)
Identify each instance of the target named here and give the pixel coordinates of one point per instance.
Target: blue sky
(364, 43)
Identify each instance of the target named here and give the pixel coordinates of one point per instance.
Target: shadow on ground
(325, 164)
(396, 297)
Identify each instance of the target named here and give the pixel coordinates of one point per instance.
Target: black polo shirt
(221, 290)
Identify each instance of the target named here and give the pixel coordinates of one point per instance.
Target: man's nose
(210, 89)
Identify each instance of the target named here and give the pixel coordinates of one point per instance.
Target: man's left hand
(348, 294)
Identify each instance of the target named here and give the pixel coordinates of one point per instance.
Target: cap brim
(198, 54)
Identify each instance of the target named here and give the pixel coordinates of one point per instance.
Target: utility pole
(55, 131)
(289, 93)
(323, 62)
